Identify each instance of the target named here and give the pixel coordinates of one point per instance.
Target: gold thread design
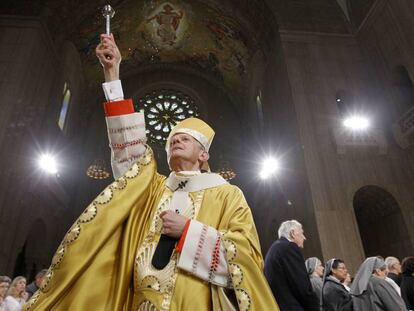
(72, 234)
(243, 299)
(231, 249)
(58, 257)
(119, 184)
(105, 196)
(236, 274)
(133, 171)
(162, 281)
(46, 281)
(146, 158)
(89, 213)
(32, 301)
(146, 306)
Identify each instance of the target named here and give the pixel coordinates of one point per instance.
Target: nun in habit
(315, 269)
(371, 291)
(335, 297)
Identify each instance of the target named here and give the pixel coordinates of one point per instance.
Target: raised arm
(126, 128)
(109, 57)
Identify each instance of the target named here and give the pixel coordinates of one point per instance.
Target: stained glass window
(163, 109)
(65, 107)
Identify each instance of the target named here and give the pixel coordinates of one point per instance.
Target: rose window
(163, 110)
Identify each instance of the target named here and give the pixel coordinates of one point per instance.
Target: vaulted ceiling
(215, 36)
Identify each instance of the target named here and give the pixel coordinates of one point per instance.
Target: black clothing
(335, 296)
(395, 277)
(287, 276)
(407, 291)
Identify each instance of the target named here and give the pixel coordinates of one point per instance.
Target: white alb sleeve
(127, 140)
(203, 255)
(113, 90)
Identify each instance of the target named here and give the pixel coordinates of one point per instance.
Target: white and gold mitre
(196, 128)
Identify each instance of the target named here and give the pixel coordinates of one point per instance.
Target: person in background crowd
(394, 269)
(35, 285)
(315, 271)
(335, 297)
(347, 282)
(4, 286)
(407, 282)
(285, 270)
(16, 295)
(371, 291)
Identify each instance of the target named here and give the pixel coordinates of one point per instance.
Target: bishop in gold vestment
(106, 260)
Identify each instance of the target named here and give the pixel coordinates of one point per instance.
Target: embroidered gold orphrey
(145, 275)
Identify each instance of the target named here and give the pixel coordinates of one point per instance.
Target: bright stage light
(270, 167)
(48, 163)
(357, 123)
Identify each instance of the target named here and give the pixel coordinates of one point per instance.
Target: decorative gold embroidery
(236, 274)
(105, 196)
(133, 171)
(72, 234)
(145, 270)
(58, 257)
(32, 301)
(151, 282)
(146, 306)
(46, 281)
(146, 158)
(231, 249)
(145, 275)
(89, 213)
(119, 184)
(243, 299)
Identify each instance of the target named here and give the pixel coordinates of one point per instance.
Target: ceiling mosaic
(197, 35)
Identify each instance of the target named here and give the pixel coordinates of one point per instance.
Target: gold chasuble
(104, 261)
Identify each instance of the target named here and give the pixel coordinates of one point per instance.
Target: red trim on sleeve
(119, 107)
(180, 243)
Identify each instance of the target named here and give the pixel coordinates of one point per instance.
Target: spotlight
(48, 163)
(356, 123)
(270, 166)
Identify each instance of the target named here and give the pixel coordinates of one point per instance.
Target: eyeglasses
(4, 286)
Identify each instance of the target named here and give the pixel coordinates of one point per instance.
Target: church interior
(273, 77)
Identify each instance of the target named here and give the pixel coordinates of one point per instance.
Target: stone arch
(381, 223)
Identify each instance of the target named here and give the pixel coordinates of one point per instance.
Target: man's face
(340, 272)
(298, 236)
(184, 147)
(39, 281)
(397, 267)
(4, 286)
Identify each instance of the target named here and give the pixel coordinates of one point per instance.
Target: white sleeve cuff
(113, 90)
(127, 140)
(203, 254)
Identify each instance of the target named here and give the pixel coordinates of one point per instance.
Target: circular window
(163, 109)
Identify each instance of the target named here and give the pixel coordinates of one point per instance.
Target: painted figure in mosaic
(168, 21)
(150, 242)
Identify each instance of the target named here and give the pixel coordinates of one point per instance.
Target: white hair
(287, 227)
(391, 261)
